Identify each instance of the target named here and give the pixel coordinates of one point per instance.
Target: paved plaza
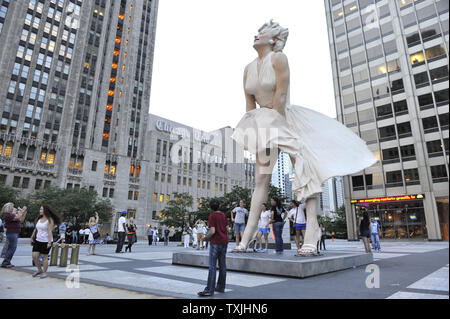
(408, 270)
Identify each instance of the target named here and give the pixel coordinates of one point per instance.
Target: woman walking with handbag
(94, 235)
(42, 238)
(131, 233)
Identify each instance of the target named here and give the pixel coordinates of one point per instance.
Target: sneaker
(259, 250)
(265, 250)
(8, 266)
(43, 275)
(218, 290)
(204, 294)
(37, 273)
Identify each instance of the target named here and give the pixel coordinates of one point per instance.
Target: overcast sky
(203, 46)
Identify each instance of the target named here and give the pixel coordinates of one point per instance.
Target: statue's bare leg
(263, 174)
(312, 226)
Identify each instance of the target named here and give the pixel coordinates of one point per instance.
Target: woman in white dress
(319, 147)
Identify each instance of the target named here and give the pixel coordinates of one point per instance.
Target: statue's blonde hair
(278, 32)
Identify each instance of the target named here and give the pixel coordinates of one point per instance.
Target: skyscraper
(390, 69)
(280, 174)
(74, 99)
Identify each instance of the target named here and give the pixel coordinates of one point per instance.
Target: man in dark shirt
(218, 225)
(166, 236)
(13, 223)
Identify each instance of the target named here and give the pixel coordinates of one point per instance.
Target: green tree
(203, 210)
(7, 194)
(336, 225)
(178, 211)
(74, 205)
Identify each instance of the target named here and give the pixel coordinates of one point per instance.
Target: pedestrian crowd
(48, 228)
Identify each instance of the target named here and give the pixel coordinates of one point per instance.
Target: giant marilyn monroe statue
(319, 147)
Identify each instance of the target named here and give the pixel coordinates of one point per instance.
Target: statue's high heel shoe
(239, 249)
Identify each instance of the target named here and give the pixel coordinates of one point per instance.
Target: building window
(435, 148)
(38, 184)
(441, 97)
(435, 52)
(156, 176)
(358, 182)
(105, 192)
(167, 198)
(439, 74)
(136, 195)
(25, 182)
(430, 124)
(404, 129)
(394, 179)
(155, 197)
(111, 192)
(411, 176)
(438, 173)
(138, 171)
(16, 181)
(421, 79)
(390, 155)
(161, 198)
(94, 166)
(131, 170)
(130, 195)
(408, 152)
(169, 178)
(8, 149)
(425, 100)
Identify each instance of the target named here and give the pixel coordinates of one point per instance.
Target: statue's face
(262, 39)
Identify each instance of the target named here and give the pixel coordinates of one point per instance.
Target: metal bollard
(64, 255)
(54, 255)
(74, 254)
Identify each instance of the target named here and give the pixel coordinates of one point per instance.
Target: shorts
(239, 228)
(41, 248)
(265, 231)
(365, 233)
(63, 236)
(300, 226)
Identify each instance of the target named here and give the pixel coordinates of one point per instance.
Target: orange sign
(387, 199)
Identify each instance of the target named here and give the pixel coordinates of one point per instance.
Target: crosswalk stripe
(415, 295)
(437, 280)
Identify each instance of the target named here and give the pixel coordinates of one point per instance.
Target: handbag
(96, 235)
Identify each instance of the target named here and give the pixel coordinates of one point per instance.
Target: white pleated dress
(322, 147)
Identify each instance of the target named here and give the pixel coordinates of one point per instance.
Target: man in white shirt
(121, 232)
(239, 220)
(297, 216)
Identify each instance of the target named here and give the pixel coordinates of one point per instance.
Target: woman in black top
(131, 233)
(277, 217)
(364, 224)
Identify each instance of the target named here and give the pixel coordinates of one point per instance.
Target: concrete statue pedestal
(286, 264)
